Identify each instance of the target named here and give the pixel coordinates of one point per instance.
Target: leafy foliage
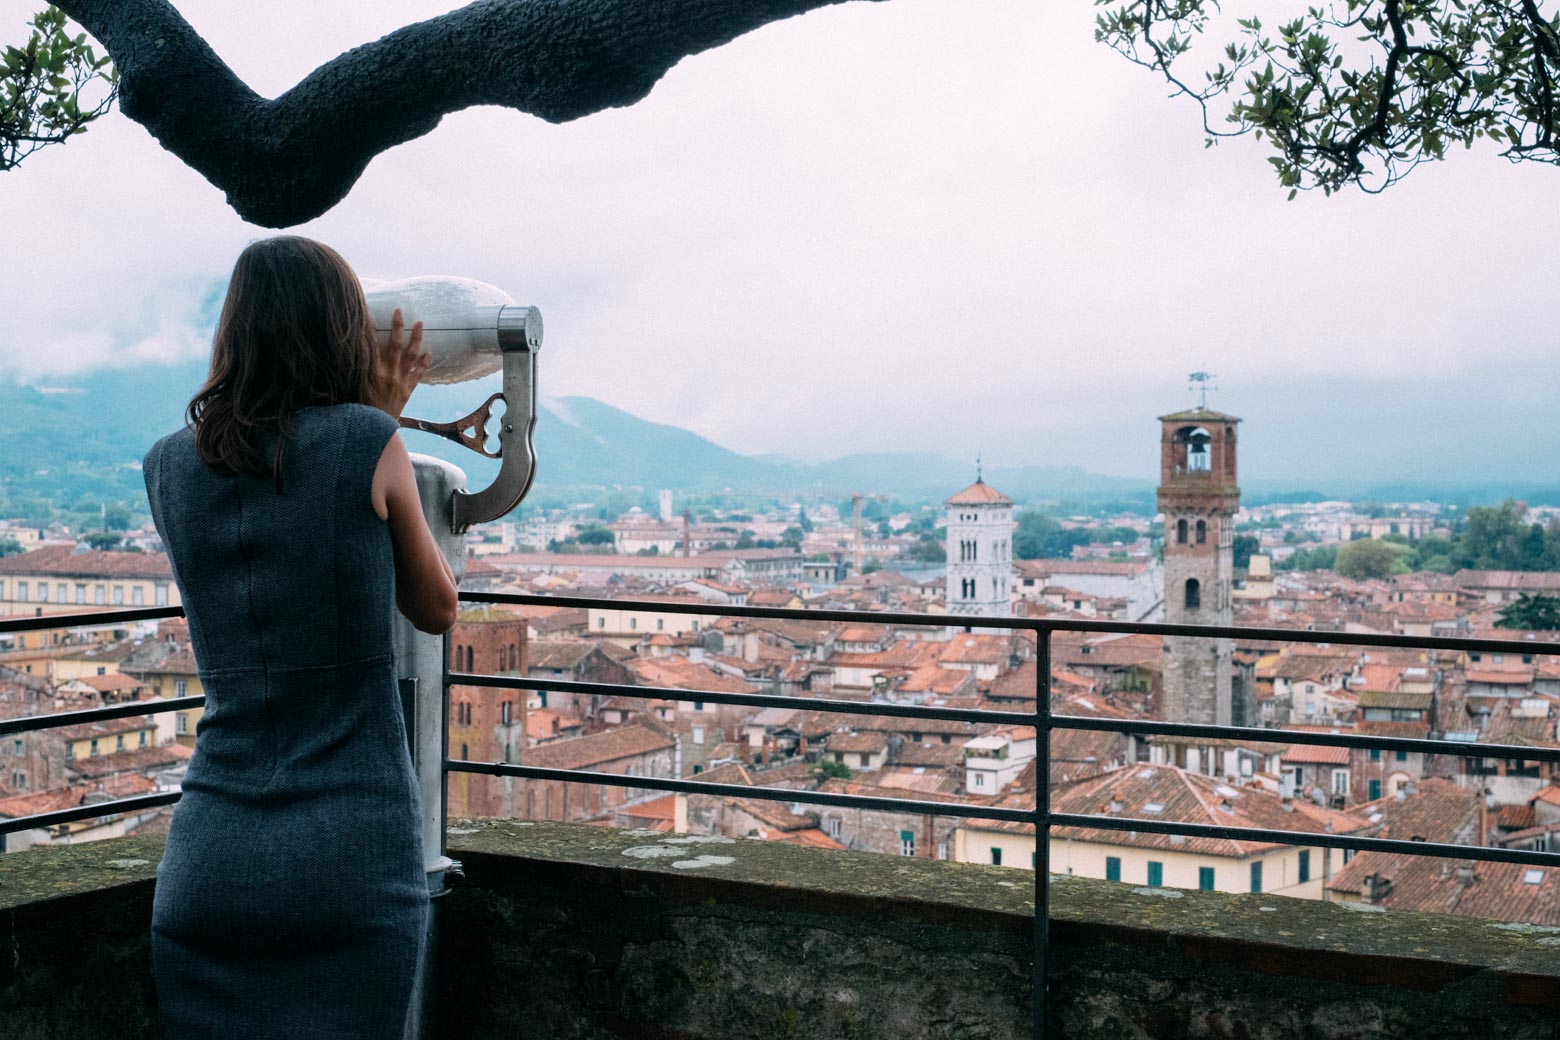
(1531, 613)
(1370, 558)
(42, 84)
(1359, 91)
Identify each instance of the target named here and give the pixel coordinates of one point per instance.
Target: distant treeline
(1488, 538)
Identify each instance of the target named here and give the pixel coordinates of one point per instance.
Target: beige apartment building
(60, 579)
(1160, 792)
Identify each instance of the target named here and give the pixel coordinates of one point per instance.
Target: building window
(996, 856)
(1256, 876)
(907, 843)
(1340, 781)
(601, 622)
(865, 759)
(119, 595)
(503, 713)
(162, 593)
(698, 705)
(18, 780)
(1402, 756)
(119, 744)
(660, 624)
(16, 746)
(81, 594)
(1156, 874)
(1180, 532)
(180, 687)
(1202, 532)
(143, 739)
(831, 826)
(1205, 878)
(1375, 754)
(1305, 865)
(463, 752)
(181, 723)
(1112, 868)
(21, 591)
(698, 734)
(1193, 594)
(94, 750)
(697, 769)
(633, 622)
(137, 596)
(60, 594)
(100, 595)
(70, 750)
(1373, 787)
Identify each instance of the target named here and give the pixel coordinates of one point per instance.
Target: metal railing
(1040, 816)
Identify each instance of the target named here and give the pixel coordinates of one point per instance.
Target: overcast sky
(948, 225)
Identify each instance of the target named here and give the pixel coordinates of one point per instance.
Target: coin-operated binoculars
(471, 330)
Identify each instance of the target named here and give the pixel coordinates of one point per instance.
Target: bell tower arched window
(1202, 532)
(1180, 532)
(1193, 593)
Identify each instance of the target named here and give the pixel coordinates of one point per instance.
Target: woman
(291, 899)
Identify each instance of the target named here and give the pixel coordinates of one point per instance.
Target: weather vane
(978, 477)
(1201, 382)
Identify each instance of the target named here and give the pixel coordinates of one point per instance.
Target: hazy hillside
(84, 439)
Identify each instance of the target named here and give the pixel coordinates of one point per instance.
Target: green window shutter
(996, 856)
(1305, 864)
(1374, 790)
(1156, 874)
(1205, 878)
(1256, 876)
(1112, 868)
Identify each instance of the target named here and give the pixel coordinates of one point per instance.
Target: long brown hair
(294, 332)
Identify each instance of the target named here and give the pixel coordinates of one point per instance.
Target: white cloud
(911, 224)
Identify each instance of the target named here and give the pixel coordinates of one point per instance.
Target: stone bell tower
(1198, 496)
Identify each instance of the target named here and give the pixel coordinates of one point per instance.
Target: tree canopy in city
(1532, 613)
(1353, 92)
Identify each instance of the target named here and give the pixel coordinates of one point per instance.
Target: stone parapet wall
(569, 931)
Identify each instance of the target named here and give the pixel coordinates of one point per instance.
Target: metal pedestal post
(420, 667)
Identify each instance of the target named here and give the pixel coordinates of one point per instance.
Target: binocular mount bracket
(519, 338)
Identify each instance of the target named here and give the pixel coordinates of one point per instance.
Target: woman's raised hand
(398, 367)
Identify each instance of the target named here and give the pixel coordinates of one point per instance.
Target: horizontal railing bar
(777, 794)
(850, 617)
(1463, 748)
(1333, 841)
(1237, 632)
(756, 700)
(87, 620)
(155, 706)
(87, 812)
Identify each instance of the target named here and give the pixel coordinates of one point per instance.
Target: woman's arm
(424, 583)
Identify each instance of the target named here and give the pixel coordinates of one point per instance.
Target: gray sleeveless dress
(291, 901)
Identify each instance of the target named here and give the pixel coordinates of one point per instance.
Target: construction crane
(856, 499)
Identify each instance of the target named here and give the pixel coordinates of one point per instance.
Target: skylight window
(1153, 807)
(1533, 877)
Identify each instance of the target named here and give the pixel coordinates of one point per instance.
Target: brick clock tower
(1198, 496)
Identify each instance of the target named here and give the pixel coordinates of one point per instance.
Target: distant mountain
(85, 437)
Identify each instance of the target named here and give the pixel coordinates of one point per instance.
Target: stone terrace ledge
(584, 933)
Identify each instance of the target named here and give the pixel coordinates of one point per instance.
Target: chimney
(1286, 804)
(1465, 876)
(1376, 888)
(1115, 807)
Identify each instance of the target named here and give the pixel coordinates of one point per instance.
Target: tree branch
(287, 160)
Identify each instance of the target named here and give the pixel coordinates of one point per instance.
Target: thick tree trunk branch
(286, 160)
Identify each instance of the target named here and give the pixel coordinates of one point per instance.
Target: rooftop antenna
(1201, 382)
(978, 478)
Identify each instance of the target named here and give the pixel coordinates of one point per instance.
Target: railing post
(421, 666)
(1040, 1005)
